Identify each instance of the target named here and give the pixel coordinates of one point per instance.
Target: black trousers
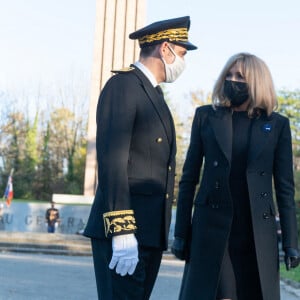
(138, 286)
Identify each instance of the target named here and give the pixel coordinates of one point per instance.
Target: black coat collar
(262, 129)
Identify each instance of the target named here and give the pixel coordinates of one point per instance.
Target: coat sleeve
(115, 121)
(284, 186)
(189, 180)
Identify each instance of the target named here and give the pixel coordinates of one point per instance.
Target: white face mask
(174, 69)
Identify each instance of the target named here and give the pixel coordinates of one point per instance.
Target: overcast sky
(46, 40)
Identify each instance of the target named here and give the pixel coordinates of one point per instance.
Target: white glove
(125, 254)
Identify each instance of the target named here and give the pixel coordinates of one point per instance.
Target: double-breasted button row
(266, 215)
(217, 183)
(214, 206)
(159, 140)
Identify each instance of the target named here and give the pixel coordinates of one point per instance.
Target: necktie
(159, 90)
(167, 111)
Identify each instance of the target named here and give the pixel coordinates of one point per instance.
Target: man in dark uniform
(130, 217)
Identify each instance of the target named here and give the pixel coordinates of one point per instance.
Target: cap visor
(187, 45)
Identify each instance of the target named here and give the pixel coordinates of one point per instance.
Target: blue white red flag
(9, 192)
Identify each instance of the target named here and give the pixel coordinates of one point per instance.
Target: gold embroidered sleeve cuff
(119, 222)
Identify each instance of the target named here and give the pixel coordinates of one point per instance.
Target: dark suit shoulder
(201, 114)
(209, 109)
(279, 117)
(121, 89)
(125, 87)
(122, 79)
(282, 122)
(204, 109)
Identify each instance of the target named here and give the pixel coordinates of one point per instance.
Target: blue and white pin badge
(267, 127)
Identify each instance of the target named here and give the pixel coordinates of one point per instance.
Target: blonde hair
(258, 77)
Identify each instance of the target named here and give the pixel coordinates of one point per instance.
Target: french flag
(9, 192)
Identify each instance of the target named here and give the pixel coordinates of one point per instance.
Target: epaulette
(123, 70)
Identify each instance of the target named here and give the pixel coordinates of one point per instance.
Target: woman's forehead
(238, 67)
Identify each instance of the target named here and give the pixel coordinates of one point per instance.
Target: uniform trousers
(138, 286)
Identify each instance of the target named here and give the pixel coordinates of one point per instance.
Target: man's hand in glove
(125, 254)
(291, 258)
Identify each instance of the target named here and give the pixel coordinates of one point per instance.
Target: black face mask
(236, 92)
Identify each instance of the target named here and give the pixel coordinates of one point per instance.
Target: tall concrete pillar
(115, 20)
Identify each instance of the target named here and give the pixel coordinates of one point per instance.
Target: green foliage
(289, 105)
(297, 186)
(293, 274)
(48, 155)
(31, 153)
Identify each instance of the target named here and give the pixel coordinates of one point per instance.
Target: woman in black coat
(229, 242)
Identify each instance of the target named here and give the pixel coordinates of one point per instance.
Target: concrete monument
(115, 19)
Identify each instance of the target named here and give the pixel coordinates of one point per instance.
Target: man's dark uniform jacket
(136, 162)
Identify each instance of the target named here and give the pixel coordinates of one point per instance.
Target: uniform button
(264, 194)
(217, 185)
(167, 196)
(215, 163)
(159, 140)
(262, 173)
(170, 168)
(266, 215)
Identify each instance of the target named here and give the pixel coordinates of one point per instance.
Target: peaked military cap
(172, 30)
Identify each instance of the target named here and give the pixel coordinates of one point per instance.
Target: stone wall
(30, 217)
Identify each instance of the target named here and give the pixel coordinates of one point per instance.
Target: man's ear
(163, 47)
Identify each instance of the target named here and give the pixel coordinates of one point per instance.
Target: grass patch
(293, 274)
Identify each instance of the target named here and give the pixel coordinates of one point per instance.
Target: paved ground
(48, 277)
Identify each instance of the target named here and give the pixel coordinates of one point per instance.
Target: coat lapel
(261, 132)
(160, 106)
(262, 129)
(221, 122)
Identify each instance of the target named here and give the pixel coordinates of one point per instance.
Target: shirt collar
(146, 72)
